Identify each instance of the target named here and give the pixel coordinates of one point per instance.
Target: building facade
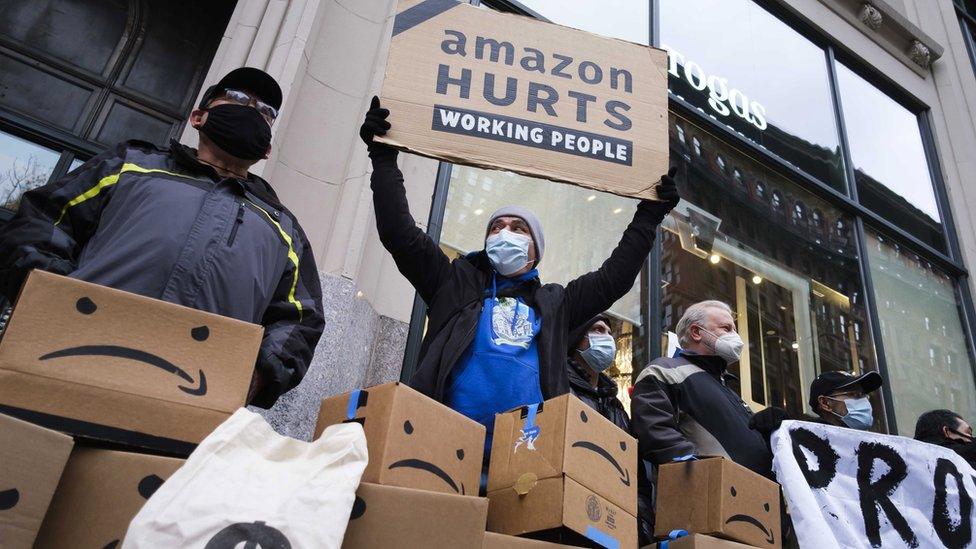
(826, 154)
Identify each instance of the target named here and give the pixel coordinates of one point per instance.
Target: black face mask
(239, 130)
(965, 448)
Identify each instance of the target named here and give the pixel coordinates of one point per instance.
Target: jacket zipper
(237, 223)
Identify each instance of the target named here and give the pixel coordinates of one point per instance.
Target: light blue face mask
(859, 416)
(601, 353)
(507, 251)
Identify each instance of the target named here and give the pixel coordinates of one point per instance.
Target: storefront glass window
(784, 260)
(624, 19)
(23, 166)
(889, 160)
(928, 360)
(747, 69)
(582, 228)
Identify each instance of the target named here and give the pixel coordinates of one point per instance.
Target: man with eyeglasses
(837, 398)
(191, 227)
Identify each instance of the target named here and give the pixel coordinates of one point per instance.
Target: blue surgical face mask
(859, 416)
(508, 252)
(601, 353)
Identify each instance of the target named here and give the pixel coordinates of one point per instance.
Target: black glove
(375, 124)
(768, 420)
(667, 193)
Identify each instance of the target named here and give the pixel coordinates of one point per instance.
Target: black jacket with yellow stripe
(159, 223)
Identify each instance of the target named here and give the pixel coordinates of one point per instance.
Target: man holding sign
(496, 336)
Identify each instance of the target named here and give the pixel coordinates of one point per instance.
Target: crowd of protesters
(497, 337)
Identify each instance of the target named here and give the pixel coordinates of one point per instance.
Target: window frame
(106, 84)
(949, 261)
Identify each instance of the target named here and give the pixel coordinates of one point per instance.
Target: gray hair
(695, 314)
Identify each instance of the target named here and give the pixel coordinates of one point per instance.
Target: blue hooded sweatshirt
(500, 369)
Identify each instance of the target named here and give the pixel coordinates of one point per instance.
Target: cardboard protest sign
(32, 459)
(501, 91)
(414, 441)
(107, 364)
(848, 488)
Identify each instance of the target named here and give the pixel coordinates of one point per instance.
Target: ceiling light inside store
(591, 198)
(479, 211)
(618, 210)
(756, 279)
(795, 345)
(714, 259)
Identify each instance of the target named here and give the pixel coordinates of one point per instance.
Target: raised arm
(596, 291)
(417, 257)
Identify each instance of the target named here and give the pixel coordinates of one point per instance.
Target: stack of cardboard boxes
(561, 471)
(130, 378)
(420, 488)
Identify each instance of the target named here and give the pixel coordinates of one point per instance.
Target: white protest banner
(848, 488)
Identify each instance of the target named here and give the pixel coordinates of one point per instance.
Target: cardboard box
(31, 461)
(390, 516)
(77, 354)
(698, 541)
(569, 438)
(414, 441)
(500, 91)
(99, 494)
(501, 541)
(564, 511)
(718, 497)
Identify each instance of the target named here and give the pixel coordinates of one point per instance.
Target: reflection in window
(794, 289)
(752, 72)
(920, 370)
(582, 228)
(23, 166)
(625, 19)
(889, 159)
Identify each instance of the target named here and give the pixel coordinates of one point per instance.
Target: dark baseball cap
(246, 79)
(828, 383)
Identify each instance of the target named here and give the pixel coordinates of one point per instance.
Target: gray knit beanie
(535, 226)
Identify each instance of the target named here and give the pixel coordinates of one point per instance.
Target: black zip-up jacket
(682, 406)
(454, 290)
(602, 398)
(159, 223)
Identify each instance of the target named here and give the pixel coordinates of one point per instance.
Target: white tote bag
(247, 486)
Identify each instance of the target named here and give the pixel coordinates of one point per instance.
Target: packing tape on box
(601, 537)
(672, 535)
(357, 399)
(530, 431)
